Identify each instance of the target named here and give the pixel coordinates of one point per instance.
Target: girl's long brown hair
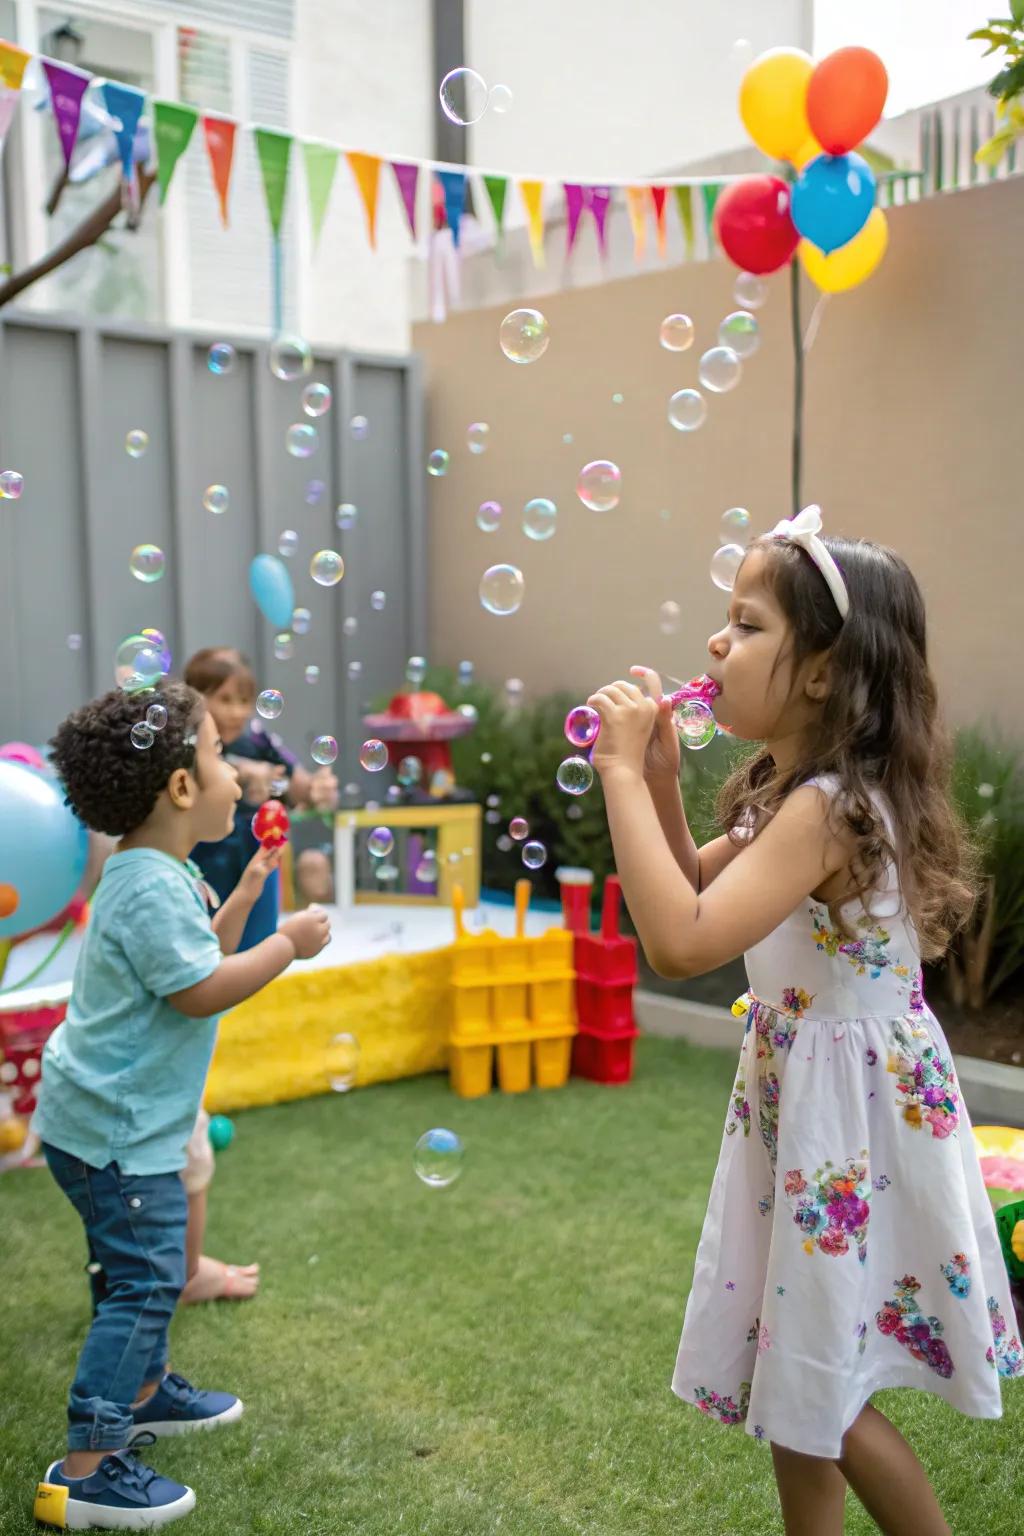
(879, 729)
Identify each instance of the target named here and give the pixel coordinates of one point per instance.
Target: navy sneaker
(177, 1408)
(123, 1494)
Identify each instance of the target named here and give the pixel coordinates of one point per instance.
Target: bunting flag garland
(600, 202)
(685, 205)
(575, 201)
(366, 170)
(173, 125)
(67, 87)
(407, 176)
(711, 196)
(496, 188)
(219, 133)
(125, 103)
(658, 199)
(453, 186)
(533, 200)
(321, 162)
(12, 69)
(274, 150)
(636, 202)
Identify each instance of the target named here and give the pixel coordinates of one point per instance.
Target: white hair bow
(804, 530)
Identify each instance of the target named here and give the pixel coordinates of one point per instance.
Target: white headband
(804, 530)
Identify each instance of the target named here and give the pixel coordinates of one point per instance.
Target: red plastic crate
(604, 1007)
(607, 956)
(604, 1057)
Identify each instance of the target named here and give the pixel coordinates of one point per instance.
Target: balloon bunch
(814, 117)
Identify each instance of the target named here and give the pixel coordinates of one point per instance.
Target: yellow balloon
(807, 152)
(853, 262)
(773, 101)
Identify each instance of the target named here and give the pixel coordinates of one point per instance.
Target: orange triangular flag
(366, 170)
(219, 133)
(533, 201)
(658, 199)
(636, 199)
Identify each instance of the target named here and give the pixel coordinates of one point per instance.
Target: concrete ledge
(993, 1092)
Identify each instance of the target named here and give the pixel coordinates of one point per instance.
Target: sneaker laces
(185, 1393)
(126, 1468)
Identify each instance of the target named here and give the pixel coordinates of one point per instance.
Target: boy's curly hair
(111, 784)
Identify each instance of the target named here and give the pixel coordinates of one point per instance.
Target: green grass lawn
(494, 1357)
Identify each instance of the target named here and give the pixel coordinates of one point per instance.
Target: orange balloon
(845, 98)
(9, 899)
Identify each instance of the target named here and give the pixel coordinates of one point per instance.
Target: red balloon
(845, 98)
(753, 224)
(270, 824)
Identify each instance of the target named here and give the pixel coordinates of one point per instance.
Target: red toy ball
(270, 824)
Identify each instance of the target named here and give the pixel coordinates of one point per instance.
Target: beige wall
(912, 436)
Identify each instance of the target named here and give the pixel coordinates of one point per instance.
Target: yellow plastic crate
(552, 953)
(553, 1000)
(509, 1000)
(514, 1066)
(551, 1058)
(471, 1007)
(470, 1069)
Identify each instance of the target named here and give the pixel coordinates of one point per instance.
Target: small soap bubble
(582, 725)
(476, 436)
(136, 442)
(735, 521)
(463, 96)
(503, 843)
(142, 735)
(327, 568)
(465, 673)
(514, 690)
(518, 828)
(316, 399)
(269, 703)
(468, 712)
(740, 332)
(11, 484)
(687, 410)
(438, 1157)
(534, 855)
(567, 438)
(359, 429)
(216, 498)
(290, 358)
(437, 462)
(492, 818)
(156, 717)
(380, 842)
(750, 291)
(720, 370)
(301, 440)
(312, 673)
(427, 870)
(354, 671)
(221, 357)
(138, 664)
(676, 333)
(695, 723)
(350, 625)
(373, 755)
(416, 669)
(669, 616)
(617, 398)
(302, 621)
(539, 519)
(493, 800)
(387, 874)
(287, 543)
(523, 335)
(324, 750)
(599, 485)
(284, 646)
(489, 516)
(146, 562)
(574, 812)
(342, 1062)
(501, 589)
(156, 639)
(409, 771)
(74, 642)
(314, 492)
(725, 563)
(377, 601)
(346, 515)
(574, 775)
(500, 100)
(394, 794)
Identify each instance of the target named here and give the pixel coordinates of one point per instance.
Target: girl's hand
(661, 760)
(323, 790)
(254, 876)
(257, 779)
(627, 720)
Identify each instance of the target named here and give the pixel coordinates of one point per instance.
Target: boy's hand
(323, 790)
(254, 876)
(627, 720)
(258, 779)
(661, 759)
(309, 931)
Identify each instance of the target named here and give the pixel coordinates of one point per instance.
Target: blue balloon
(832, 199)
(43, 847)
(271, 586)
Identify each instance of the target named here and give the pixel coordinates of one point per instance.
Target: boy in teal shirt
(123, 1076)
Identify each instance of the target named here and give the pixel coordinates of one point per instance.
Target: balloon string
(814, 323)
(16, 986)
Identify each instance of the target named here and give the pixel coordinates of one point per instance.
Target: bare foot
(214, 1281)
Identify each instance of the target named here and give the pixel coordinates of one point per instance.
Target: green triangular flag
(496, 187)
(321, 161)
(685, 203)
(172, 128)
(711, 196)
(273, 149)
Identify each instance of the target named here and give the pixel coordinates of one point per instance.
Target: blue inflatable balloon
(832, 200)
(271, 586)
(43, 847)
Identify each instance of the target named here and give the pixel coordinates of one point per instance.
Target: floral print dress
(849, 1242)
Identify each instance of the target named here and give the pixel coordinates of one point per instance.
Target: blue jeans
(135, 1229)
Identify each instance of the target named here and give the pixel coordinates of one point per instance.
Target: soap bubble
(725, 562)
(500, 100)
(493, 800)
(324, 750)
(269, 703)
(736, 520)
(301, 440)
(327, 568)
(489, 516)
(518, 828)
(539, 518)
(221, 357)
(146, 562)
(387, 874)
(74, 642)
(314, 492)
(476, 436)
(437, 462)
(141, 735)
(312, 673)
(742, 51)
(503, 843)
(354, 671)
(582, 725)
(750, 291)
(284, 646)
(599, 485)
(523, 336)
(676, 333)
(426, 870)
(669, 615)
(574, 775)
(463, 96)
(514, 690)
(695, 723)
(465, 672)
(416, 669)
(350, 626)
(720, 370)
(136, 442)
(409, 771)
(567, 438)
(342, 1062)
(156, 717)
(534, 855)
(492, 818)
(11, 484)
(501, 589)
(138, 664)
(155, 638)
(373, 755)
(687, 410)
(290, 358)
(437, 1158)
(380, 842)
(394, 794)
(346, 515)
(359, 429)
(740, 332)
(302, 621)
(617, 398)
(468, 712)
(316, 399)
(287, 543)
(216, 498)
(377, 601)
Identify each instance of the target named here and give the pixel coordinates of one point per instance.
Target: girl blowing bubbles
(849, 1244)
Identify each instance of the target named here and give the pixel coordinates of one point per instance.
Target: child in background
(849, 1243)
(122, 1078)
